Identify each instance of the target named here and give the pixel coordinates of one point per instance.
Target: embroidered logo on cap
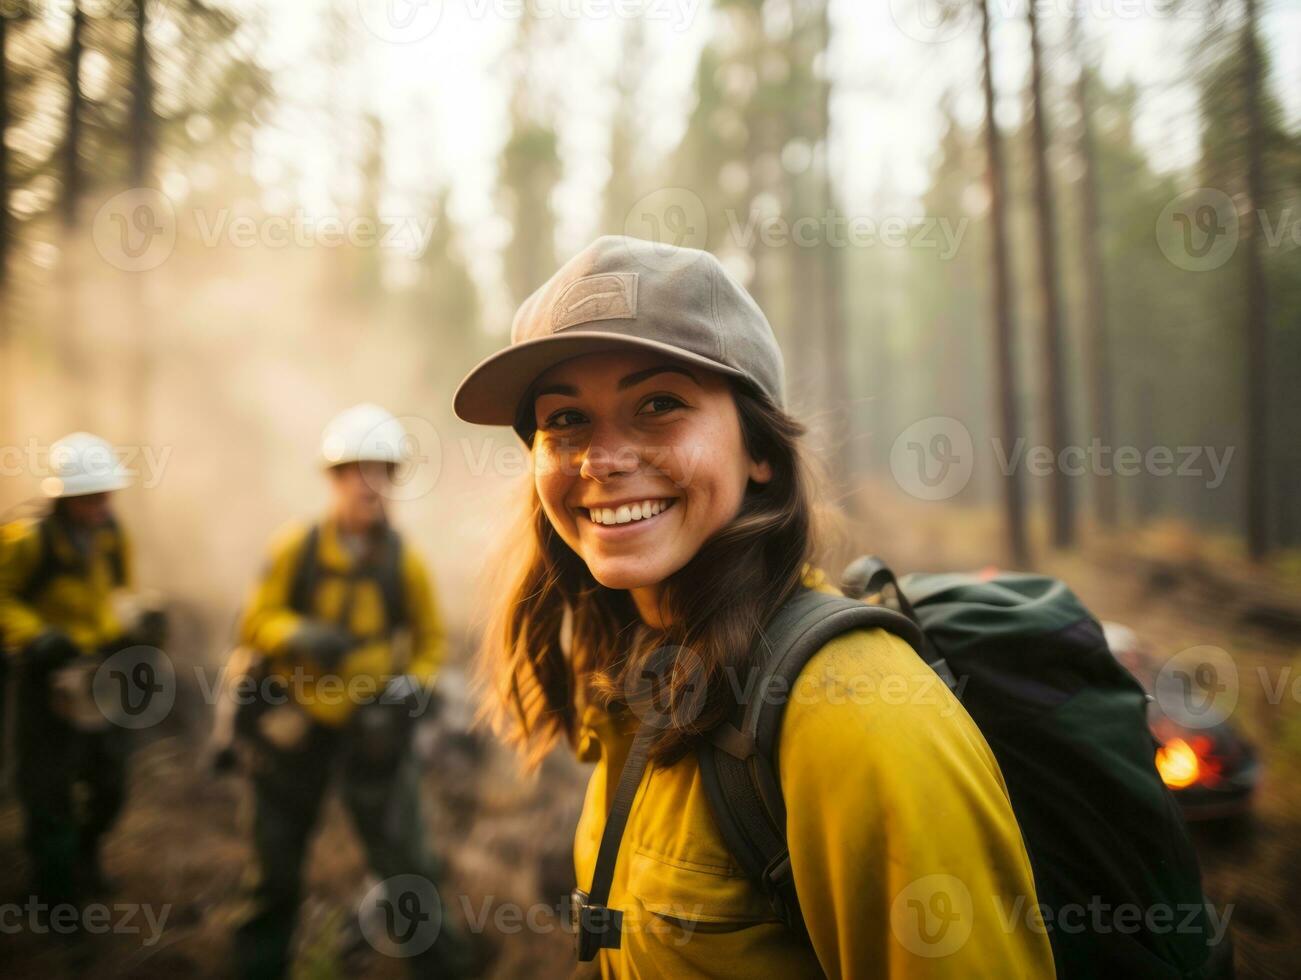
(608, 296)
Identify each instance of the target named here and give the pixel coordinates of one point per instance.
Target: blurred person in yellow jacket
(347, 638)
(57, 578)
(670, 515)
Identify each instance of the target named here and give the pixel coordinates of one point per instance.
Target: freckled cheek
(553, 487)
(700, 464)
(685, 459)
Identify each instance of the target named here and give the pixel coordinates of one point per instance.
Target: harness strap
(50, 565)
(598, 926)
(384, 568)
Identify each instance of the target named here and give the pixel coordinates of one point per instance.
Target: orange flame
(1177, 763)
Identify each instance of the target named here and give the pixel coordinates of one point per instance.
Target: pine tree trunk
(836, 362)
(8, 374)
(142, 91)
(1257, 301)
(140, 380)
(1004, 332)
(1054, 380)
(72, 182)
(74, 367)
(1097, 347)
(4, 166)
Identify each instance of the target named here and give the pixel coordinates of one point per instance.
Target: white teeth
(627, 513)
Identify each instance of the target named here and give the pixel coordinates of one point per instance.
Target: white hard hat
(1121, 639)
(363, 433)
(81, 464)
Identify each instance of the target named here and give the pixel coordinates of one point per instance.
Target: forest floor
(180, 849)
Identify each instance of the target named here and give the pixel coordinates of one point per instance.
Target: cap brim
(490, 394)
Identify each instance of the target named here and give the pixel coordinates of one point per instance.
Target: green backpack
(1067, 724)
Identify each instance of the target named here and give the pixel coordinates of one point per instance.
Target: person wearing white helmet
(345, 638)
(57, 575)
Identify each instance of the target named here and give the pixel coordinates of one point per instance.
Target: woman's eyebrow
(639, 376)
(569, 390)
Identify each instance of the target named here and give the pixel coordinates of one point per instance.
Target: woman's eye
(659, 404)
(563, 419)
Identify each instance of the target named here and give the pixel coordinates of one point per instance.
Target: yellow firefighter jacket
(907, 858)
(269, 623)
(46, 582)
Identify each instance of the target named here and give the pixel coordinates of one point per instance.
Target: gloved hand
(379, 734)
(325, 644)
(49, 651)
(404, 691)
(150, 629)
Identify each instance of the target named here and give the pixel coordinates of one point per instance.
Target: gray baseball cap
(619, 293)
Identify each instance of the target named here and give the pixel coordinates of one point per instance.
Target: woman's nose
(608, 454)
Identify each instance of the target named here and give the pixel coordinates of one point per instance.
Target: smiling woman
(598, 416)
(668, 518)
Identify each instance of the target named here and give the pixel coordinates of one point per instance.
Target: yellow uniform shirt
(907, 857)
(76, 599)
(268, 623)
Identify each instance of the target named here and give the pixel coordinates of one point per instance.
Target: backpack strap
(47, 562)
(49, 565)
(387, 574)
(116, 556)
(306, 574)
(598, 926)
(738, 764)
(392, 585)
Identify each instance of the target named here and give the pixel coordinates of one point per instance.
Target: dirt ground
(506, 839)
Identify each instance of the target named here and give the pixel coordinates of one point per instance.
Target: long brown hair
(556, 637)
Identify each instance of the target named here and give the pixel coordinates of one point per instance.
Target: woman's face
(638, 459)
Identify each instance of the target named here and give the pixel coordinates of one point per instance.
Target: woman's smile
(618, 521)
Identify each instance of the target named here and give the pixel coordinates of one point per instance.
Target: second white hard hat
(81, 464)
(363, 433)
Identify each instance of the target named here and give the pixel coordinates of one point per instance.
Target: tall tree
(1257, 315)
(141, 133)
(1004, 328)
(72, 175)
(140, 164)
(1097, 351)
(1054, 379)
(623, 187)
(529, 171)
(4, 164)
(831, 267)
(70, 209)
